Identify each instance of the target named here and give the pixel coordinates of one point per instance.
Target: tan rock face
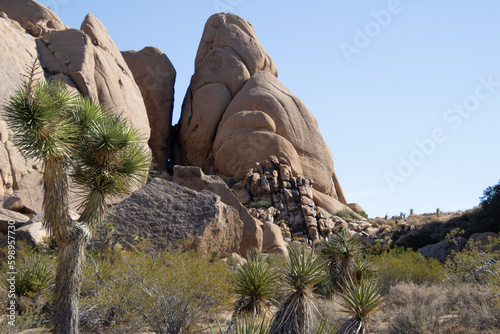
(194, 178)
(228, 55)
(86, 60)
(155, 75)
(18, 51)
(236, 112)
(32, 16)
(113, 79)
(91, 59)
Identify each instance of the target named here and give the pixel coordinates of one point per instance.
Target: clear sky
(406, 93)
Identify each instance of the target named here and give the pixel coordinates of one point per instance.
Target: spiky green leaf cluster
(339, 252)
(255, 285)
(111, 160)
(33, 276)
(302, 272)
(39, 115)
(58, 127)
(251, 325)
(360, 300)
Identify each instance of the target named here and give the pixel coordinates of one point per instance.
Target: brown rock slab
(168, 211)
(194, 178)
(13, 203)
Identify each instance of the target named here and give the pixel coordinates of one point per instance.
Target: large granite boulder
(32, 16)
(18, 50)
(86, 60)
(194, 178)
(155, 75)
(166, 212)
(236, 112)
(228, 55)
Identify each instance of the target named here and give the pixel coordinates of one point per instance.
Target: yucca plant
(361, 269)
(33, 275)
(66, 132)
(251, 325)
(360, 300)
(339, 253)
(298, 279)
(256, 284)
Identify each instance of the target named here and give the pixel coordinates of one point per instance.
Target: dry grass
(417, 309)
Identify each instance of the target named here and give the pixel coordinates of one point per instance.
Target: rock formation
(256, 234)
(32, 16)
(155, 75)
(90, 59)
(88, 62)
(164, 211)
(237, 113)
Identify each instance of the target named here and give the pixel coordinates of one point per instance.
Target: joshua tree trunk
(68, 281)
(71, 236)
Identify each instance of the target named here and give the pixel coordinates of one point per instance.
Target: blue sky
(406, 93)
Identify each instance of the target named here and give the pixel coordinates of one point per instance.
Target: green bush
(346, 214)
(476, 263)
(399, 265)
(171, 293)
(260, 204)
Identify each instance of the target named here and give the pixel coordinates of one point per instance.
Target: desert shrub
(378, 221)
(328, 313)
(172, 292)
(476, 263)
(477, 308)
(260, 204)
(25, 320)
(363, 214)
(399, 265)
(417, 308)
(346, 214)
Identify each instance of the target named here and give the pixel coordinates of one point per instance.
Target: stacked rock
(274, 192)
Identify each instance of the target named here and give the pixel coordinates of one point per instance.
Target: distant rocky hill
(238, 120)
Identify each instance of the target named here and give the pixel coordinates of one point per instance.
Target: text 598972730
(11, 272)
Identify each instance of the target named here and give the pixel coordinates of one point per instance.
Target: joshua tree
(302, 272)
(73, 136)
(339, 253)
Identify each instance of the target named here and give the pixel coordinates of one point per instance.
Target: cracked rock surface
(236, 112)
